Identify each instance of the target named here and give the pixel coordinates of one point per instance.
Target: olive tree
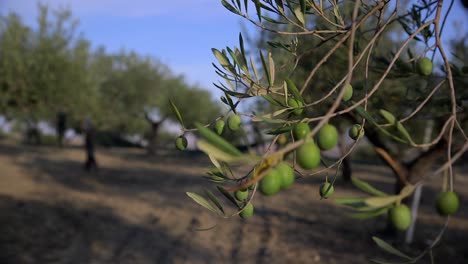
(368, 86)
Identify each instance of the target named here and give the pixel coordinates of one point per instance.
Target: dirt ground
(134, 210)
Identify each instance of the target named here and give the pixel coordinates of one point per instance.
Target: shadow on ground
(36, 232)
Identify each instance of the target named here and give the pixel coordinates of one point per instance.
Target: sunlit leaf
(218, 141)
(223, 60)
(211, 149)
(381, 201)
(272, 68)
(407, 190)
(299, 15)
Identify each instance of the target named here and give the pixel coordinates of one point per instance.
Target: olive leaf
(228, 196)
(366, 187)
(349, 200)
(371, 213)
(293, 90)
(203, 202)
(388, 116)
(279, 130)
(218, 141)
(377, 202)
(299, 15)
(223, 60)
(177, 113)
(266, 69)
(230, 7)
(215, 201)
(389, 248)
(259, 9)
(215, 152)
(272, 69)
(272, 100)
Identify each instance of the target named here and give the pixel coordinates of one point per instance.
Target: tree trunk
(153, 135)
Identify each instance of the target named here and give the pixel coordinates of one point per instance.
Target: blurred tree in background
(50, 68)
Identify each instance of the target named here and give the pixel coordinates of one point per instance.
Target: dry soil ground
(134, 210)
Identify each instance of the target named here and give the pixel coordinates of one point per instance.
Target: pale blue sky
(180, 33)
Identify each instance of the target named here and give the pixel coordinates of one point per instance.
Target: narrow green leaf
(265, 69)
(214, 178)
(258, 6)
(279, 130)
(274, 21)
(230, 7)
(238, 95)
(268, 120)
(242, 49)
(349, 200)
(254, 69)
(366, 187)
(263, 6)
(276, 113)
(366, 115)
(216, 140)
(370, 214)
(233, 55)
(389, 248)
(404, 132)
(336, 12)
(362, 112)
(388, 116)
(302, 3)
(272, 100)
(381, 201)
(223, 60)
(272, 68)
(228, 196)
(293, 90)
(177, 113)
(231, 103)
(203, 202)
(215, 201)
(299, 15)
(238, 4)
(241, 60)
(279, 5)
(212, 150)
(406, 191)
